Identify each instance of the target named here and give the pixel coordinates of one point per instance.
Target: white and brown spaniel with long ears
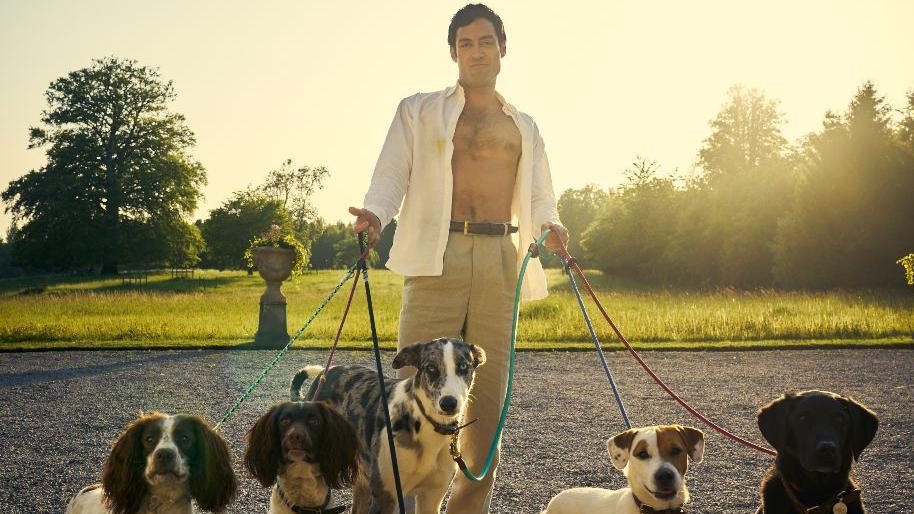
(158, 465)
(306, 449)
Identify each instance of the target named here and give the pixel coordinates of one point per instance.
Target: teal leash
(280, 353)
(532, 252)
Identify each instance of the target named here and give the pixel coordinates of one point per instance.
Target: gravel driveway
(60, 410)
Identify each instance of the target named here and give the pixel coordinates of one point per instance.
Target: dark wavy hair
(470, 13)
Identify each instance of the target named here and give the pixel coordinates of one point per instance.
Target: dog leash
(563, 252)
(566, 265)
(455, 446)
(346, 276)
(336, 340)
(363, 246)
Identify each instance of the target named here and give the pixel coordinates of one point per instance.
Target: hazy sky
(318, 81)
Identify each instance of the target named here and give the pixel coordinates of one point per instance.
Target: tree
(337, 247)
(323, 247)
(230, 227)
(746, 185)
(745, 135)
(116, 158)
(578, 208)
(632, 232)
(293, 188)
(853, 214)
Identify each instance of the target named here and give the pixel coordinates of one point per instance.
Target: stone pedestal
(274, 265)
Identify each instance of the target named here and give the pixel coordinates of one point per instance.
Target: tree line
(833, 209)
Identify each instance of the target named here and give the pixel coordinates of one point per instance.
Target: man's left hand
(557, 238)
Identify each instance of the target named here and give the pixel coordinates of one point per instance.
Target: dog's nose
(664, 477)
(165, 456)
(298, 438)
(826, 449)
(448, 404)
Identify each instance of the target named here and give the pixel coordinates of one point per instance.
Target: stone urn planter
(274, 265)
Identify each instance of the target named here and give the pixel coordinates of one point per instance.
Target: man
(471, 172)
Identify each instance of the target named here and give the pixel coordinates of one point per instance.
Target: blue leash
(596, 342)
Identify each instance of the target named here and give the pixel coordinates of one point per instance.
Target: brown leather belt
(485, 229)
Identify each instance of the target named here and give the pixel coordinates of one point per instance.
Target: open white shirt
(414, 169)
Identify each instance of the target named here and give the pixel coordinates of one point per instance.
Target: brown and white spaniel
(306, 449)
(159, 464)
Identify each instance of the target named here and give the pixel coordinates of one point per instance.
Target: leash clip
(534, 250)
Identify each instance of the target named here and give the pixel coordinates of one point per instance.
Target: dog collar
(644, 508)
(310, 510)
(837, 505)
(449, 429)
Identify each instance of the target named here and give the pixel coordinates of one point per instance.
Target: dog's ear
(263, 454)
(694, 440)
(864, 424)
(479, 355)
(408, 356)
(338, 454)
(122, 474)
(212, 481)
(619, 447)
(772, 420)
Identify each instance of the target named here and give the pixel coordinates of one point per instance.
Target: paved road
(60, 410)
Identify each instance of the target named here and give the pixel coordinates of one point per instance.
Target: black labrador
(818, 436)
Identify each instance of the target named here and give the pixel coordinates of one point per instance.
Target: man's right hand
(366, 220)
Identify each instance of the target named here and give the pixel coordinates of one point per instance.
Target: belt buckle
(466, 228)
(506, 228)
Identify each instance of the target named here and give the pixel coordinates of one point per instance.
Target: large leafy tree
(117, 167)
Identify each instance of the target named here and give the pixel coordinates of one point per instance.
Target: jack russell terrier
(654, 460)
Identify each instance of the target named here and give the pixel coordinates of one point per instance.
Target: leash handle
(363, 265)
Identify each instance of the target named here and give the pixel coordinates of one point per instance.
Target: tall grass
(222, 308)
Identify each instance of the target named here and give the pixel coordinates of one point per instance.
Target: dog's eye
(675, 450)
(643, 455)
(803, 417)
(431, 369)
(285, 421)
(314, 422)
(462, 367)
(149, 439)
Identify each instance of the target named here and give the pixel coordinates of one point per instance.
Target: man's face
(478, 53)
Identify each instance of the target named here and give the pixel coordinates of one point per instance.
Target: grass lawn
(220, 309)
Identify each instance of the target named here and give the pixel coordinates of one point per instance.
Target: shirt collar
(458, 89)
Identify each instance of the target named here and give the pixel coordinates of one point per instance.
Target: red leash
(339, 331)
(573, 263)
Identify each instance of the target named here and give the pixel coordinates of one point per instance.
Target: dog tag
(839, 508)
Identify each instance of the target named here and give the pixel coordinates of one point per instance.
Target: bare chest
(491, 136)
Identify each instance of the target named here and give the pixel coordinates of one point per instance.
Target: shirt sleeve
(543, 208)
(391, 173)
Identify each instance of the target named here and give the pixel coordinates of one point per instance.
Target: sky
(318, 81)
